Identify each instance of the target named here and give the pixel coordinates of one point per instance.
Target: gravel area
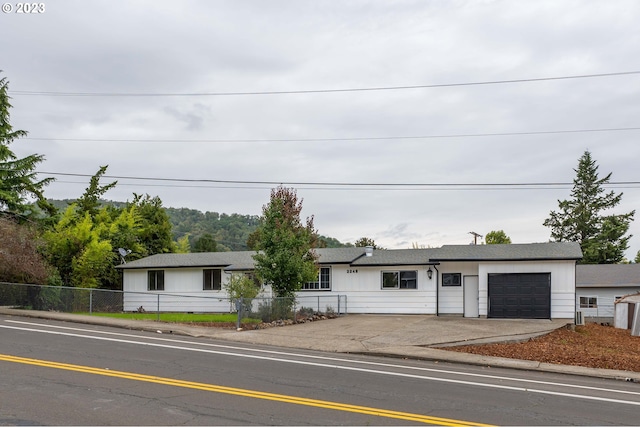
(592, 345)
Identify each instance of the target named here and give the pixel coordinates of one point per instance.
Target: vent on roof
(368, 250)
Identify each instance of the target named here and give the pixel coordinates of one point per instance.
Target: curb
(401, 352)
(436, 355)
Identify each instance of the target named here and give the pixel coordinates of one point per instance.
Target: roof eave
(502, 259)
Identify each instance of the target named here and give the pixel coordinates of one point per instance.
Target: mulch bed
(592, 345)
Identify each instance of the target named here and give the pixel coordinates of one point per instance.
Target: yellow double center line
(406, 416)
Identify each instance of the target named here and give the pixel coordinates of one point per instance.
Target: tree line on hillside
(212, 231)
(76, 242)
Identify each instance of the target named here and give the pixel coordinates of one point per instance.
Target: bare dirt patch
(592, 345)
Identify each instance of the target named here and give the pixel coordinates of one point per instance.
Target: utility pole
(475, 237)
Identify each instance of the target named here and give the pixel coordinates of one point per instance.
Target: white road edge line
(347, 368)
(336, 359)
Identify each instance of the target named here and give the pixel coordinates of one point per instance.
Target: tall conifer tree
(18, 180)
(586, 217)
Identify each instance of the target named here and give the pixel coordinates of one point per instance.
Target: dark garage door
(520, 296)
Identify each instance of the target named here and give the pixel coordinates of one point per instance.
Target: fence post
(90, 301)
(238, 311)
(318, 303)
(158, 309)
(339, 306)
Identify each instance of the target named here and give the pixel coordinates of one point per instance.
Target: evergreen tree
(286, 259)
(585, 219)
(18, 180)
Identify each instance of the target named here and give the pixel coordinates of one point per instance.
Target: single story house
(598, 286)
(534, 280)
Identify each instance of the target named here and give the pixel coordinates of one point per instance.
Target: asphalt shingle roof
(607, 275)
(356, 256)
(237, 260)
(397, 257)
(510, 252)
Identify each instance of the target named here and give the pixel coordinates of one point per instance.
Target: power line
(343, 184)
(268, 187)
(345, 139)
(296, 92)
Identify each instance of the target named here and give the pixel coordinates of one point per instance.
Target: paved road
(64, 373)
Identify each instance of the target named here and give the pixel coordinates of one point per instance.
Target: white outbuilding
(627, 313)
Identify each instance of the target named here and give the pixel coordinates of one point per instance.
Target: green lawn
(179, 317)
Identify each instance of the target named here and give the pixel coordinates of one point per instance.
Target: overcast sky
(198, 50)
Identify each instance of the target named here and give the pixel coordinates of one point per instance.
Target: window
(451, 279)
(588, 302)
(400, 279)
(155, 280)
(211, 279)
(323, 283)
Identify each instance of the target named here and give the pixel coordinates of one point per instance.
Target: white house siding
(606, 299)
(182, 292)
(452, 297)
(563, 279)
(362, 287)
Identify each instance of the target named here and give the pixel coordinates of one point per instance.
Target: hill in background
(230, 231)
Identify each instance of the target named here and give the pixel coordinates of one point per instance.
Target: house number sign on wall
(351, 271)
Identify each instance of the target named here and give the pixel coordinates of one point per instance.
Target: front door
(471, 296)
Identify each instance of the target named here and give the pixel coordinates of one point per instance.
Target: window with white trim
(407, 279)
(323, 283)
(588, 302)
(155, 280)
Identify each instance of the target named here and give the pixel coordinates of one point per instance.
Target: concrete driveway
(374, 333)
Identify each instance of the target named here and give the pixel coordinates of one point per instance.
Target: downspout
(437, 292)
(575, 294)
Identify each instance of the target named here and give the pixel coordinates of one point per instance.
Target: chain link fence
(60, 298)
(299, 309)
(90, 301)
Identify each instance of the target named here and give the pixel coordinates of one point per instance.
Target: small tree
(241, 286)
(496, 238)
(582, 218)
(286, 259)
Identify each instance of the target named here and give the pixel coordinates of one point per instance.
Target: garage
(520, 295)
